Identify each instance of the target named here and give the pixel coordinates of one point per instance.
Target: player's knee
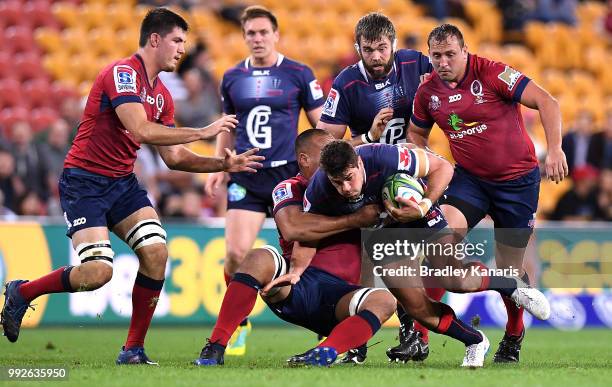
(378, 301)
(156, 257)
(385, 305)
(263, 264)
(94, 275)
(101, 272)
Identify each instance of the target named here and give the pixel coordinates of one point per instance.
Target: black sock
(451, 326)
(504, 285)
(404, 318)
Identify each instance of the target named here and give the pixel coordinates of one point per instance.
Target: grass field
(549, 358)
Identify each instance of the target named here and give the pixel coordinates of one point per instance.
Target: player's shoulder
(481, 64)
(288, 64)
(348, 75)
(237, 69)
(407, 55)
(298, 181)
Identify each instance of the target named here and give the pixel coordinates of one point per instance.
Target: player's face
(260, 37)
(448, 59)
(310, 159)
(171, 49)
(377, 56)
(350, 184)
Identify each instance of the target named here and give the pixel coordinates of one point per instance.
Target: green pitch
(549, 358)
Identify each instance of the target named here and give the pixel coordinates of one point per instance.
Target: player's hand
(283, 280)
(244, 162)
(224, 124)
(409, 211)
(422, 78)
(368, 216)
(214, 181)
(380, 123)
(556, 165)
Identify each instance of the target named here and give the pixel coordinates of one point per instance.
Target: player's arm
(134, 118)
(296, 225)
(314, 115)
(439, 173)
(179, 157)
(535, 97)
(418, 136)
(301, 256)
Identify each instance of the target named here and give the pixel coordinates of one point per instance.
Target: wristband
(365, 138)
(424, 206)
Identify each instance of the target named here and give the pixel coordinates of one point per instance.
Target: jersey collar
(145, 72)
(279, 60)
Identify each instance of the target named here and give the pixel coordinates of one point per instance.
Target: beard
(379, 73)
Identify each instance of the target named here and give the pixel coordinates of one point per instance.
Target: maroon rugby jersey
(102, 145)
(338, 254)
(481, 118)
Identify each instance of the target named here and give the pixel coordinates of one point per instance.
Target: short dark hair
(160, 21)
(443, 32)
(304, 138)
(337, 157)
(256, 11)
(374, 26)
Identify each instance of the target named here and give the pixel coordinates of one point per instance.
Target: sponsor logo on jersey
(477, 92)
(462, 128)
(435, 103)
(281, 193)
(315, 89)
(382, 85)
(235, 192)
(125, 79)
(404, 159)
(331, 105)
(509, 76)
(454, 98)
(260, 73)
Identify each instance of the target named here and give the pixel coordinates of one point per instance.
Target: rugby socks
(58, 281)
(145, 295)
(238, 302)
(450, 325)
(352, 332)
(514, 326)
(435, 294)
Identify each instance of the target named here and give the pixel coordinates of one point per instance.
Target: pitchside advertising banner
(572, 265)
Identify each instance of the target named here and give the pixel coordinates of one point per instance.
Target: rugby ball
(404, 186)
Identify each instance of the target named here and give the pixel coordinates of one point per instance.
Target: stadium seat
(10, 93)
(92, 15)
(27, 65)
(41, 118)
(9, 116)
(38, 14)
(74, 40)
(37, 92)
(67, 14)
(102, 40)
(18, 38)
(582, 83)
(12, 12)
(120, 16)
(48, 39)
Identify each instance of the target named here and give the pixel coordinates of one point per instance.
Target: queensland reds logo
(159, 102)
(476, 90)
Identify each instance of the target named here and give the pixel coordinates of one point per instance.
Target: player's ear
(154, 39)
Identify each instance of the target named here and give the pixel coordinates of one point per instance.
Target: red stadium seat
(28, 66)
(5, 64)
(19, 39)
(12, 12)
(42, 118)
(9, 116)
(38, 14)
(10, 93)
(37, 92)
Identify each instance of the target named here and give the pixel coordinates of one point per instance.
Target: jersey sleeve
(311, 92)
(506, 81)
(121, 85)
(336, 109)
(167, 116)
(286, 193)
(425, 66)
(399, 159)
(420, 112)
(228, 106)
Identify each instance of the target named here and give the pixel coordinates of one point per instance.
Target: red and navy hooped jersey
(355, 98)
(481, 118)
(339, 254)
(102, 144)
(267, 102)
(380, 161)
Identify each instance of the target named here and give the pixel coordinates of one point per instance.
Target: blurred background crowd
(52, 50)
